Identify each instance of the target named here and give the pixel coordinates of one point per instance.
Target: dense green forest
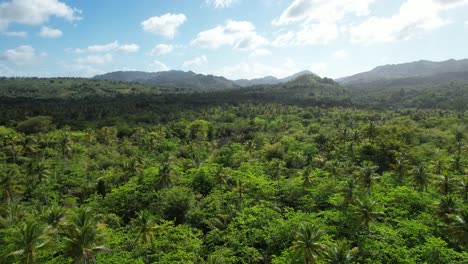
(302, 172)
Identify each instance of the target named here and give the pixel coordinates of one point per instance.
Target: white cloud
(158, 66)
(165, 25)
(221, 3)
(260, 53)
(196, 61)
(21, 55)
(95, 59)
(310, 34)
(105, 48)
(340, 54)
(20, 34)
(161, 49)
(414, 17)
(129, 48)
(322, 11)
(47, 32)
(320, 20)
(237, 34)
(466, 23)
(251, 70)
(34, 12)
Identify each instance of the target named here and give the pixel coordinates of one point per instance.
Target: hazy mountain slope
(407, 70)
(270, 80)
(179, 79)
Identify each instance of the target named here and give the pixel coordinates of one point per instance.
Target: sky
(231, 38)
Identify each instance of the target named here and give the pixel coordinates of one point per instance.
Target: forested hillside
(114, 172)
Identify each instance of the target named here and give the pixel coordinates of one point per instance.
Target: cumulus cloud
(340, 54)
(221, 3)
(95, 59)
(466, 23)
(237, 34)
(165, 25)
(158, 66)
(20, 34)
(161, 49)
(47, 32)
(105, 48)
(21, 55)
(414, 17)
(260, 53)
(34, 12)
(128, 48)
(318, 20)
(309, 34)
(196, 61)
(322, 11)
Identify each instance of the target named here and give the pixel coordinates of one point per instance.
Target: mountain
(258, 81)
(296, 75)
(179, 79)
(269, 80)
(418, 69)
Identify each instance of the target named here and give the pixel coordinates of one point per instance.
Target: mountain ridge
(421, 68)
(192, 80)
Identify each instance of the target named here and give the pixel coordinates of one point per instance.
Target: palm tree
(83, 236)
(215, 259)
(10, 187)
(30, 239)
(366, 211)
(400, 167)
(307, 243)
(349, 191)
(340, 254)
(447, 206)
(166, 173)
(65, 146)
(144, 226)
(54, 217)
(444, 184)
(367, 175)
(458, 228)
(221, 179)
(457, 163)
(421, 177)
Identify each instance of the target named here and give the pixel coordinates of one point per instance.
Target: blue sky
(232, 38)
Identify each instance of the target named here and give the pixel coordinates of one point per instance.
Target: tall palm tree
(340, 254)
(54, 217)
(447, 206)
(83, 236)
(458, 227)
(221, 179)
(145, 227)
(400, 167)
(30, 239)
(166, 173)
(367, 175)
(349, 190)
(421, 177)
(307, 243)
(10, 187)
(445, 184)
(366, 211)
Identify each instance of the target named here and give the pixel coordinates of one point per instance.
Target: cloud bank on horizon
(232, 38)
